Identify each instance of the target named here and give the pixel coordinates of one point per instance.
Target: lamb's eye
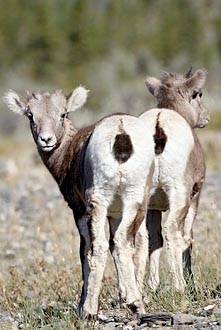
(29, 113)
(64, 115)
(194, 95)
(200, 94)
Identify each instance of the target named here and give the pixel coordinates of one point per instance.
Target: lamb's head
(47, 113)
(181, 93)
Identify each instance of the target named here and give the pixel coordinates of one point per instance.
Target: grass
(46, 298)
(45, 295)
(41, 295)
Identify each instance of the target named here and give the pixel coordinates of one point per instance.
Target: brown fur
(160, 138)
(176, 91)
(132, 230)
(195, 169)
(182, 216)
(141, 209)
(122, 147)
(65, 164)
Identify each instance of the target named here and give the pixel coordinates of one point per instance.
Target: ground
(40, 274)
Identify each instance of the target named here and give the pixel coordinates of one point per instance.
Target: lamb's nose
(45, 138)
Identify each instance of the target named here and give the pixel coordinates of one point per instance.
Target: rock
(182, 318)
(157, 318)
(209, 307)
(208, 310)
(105, 319)
(217, 312)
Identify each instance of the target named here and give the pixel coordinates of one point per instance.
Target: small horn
(165, 74)
(30, 95)
(189, 73)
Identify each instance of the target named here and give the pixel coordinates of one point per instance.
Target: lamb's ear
(152, 84)
(15, 102)
(197, 80)
(77, 98)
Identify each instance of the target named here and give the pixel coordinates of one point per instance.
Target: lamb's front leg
(96, 256)
(173, 234)
(84, 249)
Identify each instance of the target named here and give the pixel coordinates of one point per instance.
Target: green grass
(207, 278)
(47, 298)
(43, 296)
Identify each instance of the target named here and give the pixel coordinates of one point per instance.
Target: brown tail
(122, 148)
(160, 138)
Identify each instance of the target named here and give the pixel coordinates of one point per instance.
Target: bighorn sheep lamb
(179, 169)
(104, 172)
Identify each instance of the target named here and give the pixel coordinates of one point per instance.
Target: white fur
(77, 98)
(177, 150)
(10, 99)
(111, 181)
(179, 169)
(169, 175)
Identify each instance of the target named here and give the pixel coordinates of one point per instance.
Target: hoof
(86, 315)
(136, 307)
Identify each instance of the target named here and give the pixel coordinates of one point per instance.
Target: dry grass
(40, 276)
(48, 296)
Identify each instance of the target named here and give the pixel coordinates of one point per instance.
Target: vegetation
(43, 296)
(57, 40)
(40, 276)
(109, 46)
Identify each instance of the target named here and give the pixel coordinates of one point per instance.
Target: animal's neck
(182, 109)
(58, 160)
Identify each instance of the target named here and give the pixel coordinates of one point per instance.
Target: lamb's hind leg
(154, 229)
(173, 235)
(140, 253)
(113, 225)
(96, 256)
(123, 253)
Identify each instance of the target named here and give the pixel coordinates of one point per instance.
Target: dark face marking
(122, 148)
(160, 138)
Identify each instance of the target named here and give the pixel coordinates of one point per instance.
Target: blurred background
(109, 46)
